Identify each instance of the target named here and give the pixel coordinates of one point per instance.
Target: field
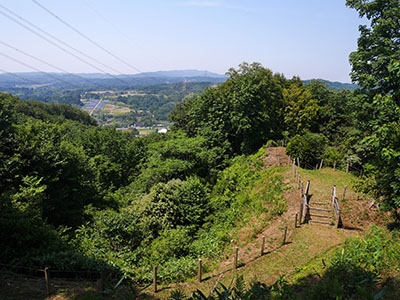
(113, 109)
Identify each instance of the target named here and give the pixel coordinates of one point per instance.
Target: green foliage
(355, 269)
(301, 111)
(174, 203)
(111, 237)
(155, 229)
(334, 114)
(239, 115)
(238, 291)
(178, 157)
(243, 191)
(332, 155)
(377, 46)
(309, 148)
(172, 243)
(380, 145)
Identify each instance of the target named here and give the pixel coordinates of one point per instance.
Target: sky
(306, 38)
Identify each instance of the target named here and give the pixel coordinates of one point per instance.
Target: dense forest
(76, 196)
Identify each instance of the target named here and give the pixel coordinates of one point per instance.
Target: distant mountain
(96, 80)
(182, 73)
(335, 84)
(103, 81)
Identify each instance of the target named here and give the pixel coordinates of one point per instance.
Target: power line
(56, 45)
(46, 63)
(85, 36)
(37, 70)
(60, 41)
(129, 39)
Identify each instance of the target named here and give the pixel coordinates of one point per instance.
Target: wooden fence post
(235, 260)
(298, 162)
(47, 280)
(333, 194)
(301, 189)
(295, 220)
(344, 191)
(316, 167)
(262, 245)
(301, 213)
(294, 168)
(155, 279)
(347, 167)
(307, 187)
(199, 270)
(322, 162)
(334, 165)
(284, 236)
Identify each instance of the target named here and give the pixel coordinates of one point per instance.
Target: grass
(322, 181)
(301, 256)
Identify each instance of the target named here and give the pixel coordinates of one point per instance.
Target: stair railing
(304, 207)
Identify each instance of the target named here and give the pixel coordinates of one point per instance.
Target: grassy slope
(306, 246)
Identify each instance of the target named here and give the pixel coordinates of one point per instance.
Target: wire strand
(37, 70)
(86, 37)
(58, 46)
(47, 63)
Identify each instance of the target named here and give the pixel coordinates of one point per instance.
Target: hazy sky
(309, 38)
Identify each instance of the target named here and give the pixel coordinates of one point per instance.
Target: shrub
(309, 148)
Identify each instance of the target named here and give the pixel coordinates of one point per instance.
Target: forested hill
(335, 84)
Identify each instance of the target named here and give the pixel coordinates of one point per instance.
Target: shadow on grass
(393, 226)
(339, 281)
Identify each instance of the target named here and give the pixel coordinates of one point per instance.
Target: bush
(333, 154)
(171, 243)
(356, 268)
(309, 148)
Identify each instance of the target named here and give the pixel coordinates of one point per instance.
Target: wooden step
(320, 203)
(321, 216)
(319, 209)
(320, 222)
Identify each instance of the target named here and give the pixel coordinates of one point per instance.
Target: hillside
(297, 266)
(308, 249)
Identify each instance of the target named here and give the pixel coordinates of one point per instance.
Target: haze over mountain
(69, 80)
(97, 80)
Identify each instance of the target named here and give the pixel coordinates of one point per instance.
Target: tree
(301, 111)
(240, 114)
(378, 46)
(334, 115)
(309, 148)
(376, 67)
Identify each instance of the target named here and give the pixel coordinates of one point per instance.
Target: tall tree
(240, 114)
(301, 111)
(376, 67)
(378, 46)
